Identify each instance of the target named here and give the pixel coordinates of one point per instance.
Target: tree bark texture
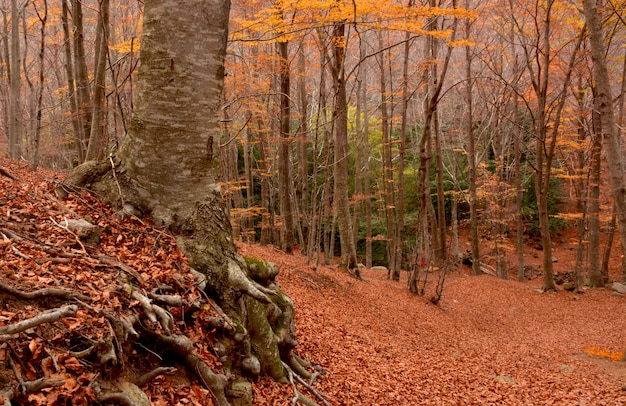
(604, 105)
(169, 168)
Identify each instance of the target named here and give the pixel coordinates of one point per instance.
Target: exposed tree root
(47, 316)
(149, 376)
(298, 396)
(37, 294)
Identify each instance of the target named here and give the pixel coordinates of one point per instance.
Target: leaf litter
(489, 341)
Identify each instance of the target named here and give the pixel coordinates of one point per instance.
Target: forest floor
(488, 341)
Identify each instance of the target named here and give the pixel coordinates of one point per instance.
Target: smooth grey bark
(168, 167)
(97, 135)
(471, 153)
(15, 102)
(340, 118)
(83, 87)
(604, 105)
(71, 81)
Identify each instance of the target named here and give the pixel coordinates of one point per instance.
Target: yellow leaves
(296, 18)
(599, 352)
(126, 47)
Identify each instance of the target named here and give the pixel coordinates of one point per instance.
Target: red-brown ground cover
(489, 341)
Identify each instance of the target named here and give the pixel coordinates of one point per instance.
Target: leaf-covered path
(489, 341)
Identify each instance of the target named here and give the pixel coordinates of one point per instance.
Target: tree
(168, 167)
(604, 106)
(15, 103)
(340, 118)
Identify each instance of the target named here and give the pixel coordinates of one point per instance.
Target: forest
(372, 130)
(407, 142)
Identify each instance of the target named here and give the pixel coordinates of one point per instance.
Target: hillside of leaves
(489, 341)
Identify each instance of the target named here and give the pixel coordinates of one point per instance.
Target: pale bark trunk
(595, 275)
(71, 83)
(43, 17)
(340, 118)
(604, 105)
(83, 88)
(97, 134)
(169, 168)
(303, 158)
(15, 104)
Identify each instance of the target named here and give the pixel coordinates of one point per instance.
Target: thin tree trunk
(97, 135)
(340, 118)
(595, 275)
(71, 88)
(284, 162)
(605, 109)
(15, 104)
(83, 88)
(303, 158)
(42, 49)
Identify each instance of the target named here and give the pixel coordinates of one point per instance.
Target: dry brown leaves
(489, 342)
(37, 251)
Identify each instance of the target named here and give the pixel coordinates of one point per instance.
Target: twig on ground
(66, 228)
(9, 175)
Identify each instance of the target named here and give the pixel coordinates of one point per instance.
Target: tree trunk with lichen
(168, 169)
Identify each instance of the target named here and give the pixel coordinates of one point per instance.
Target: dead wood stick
(61, 206)
(53, 292)
(47, 316)
(9, 175)
(147, 377)
(43, 260)
(10, 234)
(66, 228)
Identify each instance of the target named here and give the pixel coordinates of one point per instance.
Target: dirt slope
(489, 342)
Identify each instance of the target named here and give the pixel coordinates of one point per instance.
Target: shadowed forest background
(432, 138)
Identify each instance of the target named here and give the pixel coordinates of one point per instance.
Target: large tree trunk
(169, 168)
(604, 104)
(340, 117)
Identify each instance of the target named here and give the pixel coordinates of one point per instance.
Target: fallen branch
(9, 175)
(45, 292)
(42, 383)
(47, 316)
